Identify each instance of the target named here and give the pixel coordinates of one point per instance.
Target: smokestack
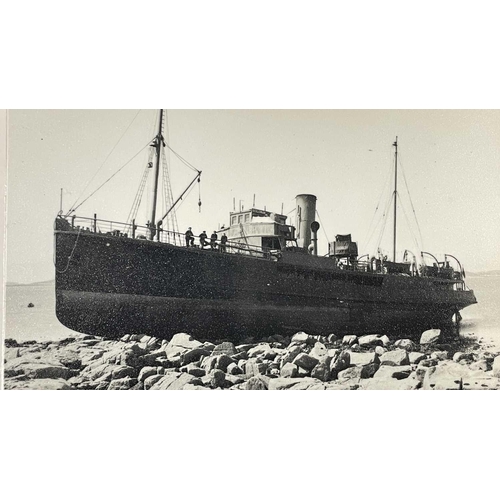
(305, 215)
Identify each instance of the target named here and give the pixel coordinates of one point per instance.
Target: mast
(395, 195)
(158, 143)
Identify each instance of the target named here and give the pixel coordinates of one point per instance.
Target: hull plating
(111, 286)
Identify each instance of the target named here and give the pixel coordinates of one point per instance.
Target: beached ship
(123, 278)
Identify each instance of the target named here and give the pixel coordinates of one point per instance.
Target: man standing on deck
(203, 239)
(213, 240)
(223, 241)
(189, 238)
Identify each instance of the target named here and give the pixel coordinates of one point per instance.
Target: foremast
(395, 196)
(157, 144)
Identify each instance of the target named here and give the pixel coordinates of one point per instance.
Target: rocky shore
(276, 363)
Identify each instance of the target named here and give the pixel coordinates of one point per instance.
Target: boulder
(122, 384)
(340, 361)
(363, 358)
(234, 369)
(480, 365)
(406, 344)
(289, 370)
(496, 367)
(279, 384)
(151, 380)
(322, 371)
(397, 372)
(215, 379)
(416, 357)
(392, 384)
(222, 362)
(446, 375)
(353, 373)
(255, 367)
(332, 338)
(349, 339)
(184, 340)
(257, 383)
(379, 350)
(193, 355)
(195, 371)
(303, 338)
(227, 348)
(440, 355)
(428, 362)
(370, 341)
(462, 356)
(319, 351)
(305, 361)
(397, 357)
(34, 366)
(290, 354)
(430, 337)
(148, 371)
(385, 340)
(174, 381)
(41, 384)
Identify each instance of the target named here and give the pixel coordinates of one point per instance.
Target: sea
(39, 323)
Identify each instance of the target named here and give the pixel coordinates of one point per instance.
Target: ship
(259, 276)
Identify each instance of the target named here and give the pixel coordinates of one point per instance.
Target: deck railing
(158, 234)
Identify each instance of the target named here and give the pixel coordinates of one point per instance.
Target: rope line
(106, 181)
(105, 160)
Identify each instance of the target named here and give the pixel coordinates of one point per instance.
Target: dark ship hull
(110, 286)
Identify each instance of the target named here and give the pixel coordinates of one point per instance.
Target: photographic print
(252, 249)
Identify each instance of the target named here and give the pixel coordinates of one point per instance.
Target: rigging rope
(409, 226)
(105, 160)
(106, 181)
(323, 226)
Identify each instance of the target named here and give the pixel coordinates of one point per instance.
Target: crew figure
(203, 239)
(213, 240)
(223, 241)
(189, 238)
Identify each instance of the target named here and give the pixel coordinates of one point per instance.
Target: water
(40, 322)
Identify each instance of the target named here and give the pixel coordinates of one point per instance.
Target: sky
(450, 160)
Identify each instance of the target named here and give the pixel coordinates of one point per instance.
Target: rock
(496, 367)
(406, 344)
(151, 380)
(208, 364)
(214, 379)
(430, 337)
(416, 357)
(303, 338)
(305, 361)
(257, 383)
(440, 355)
(193, 355)
(234, 379)
(446, 375)
(393, 384)
(481, 365)
(234, 369)
(255, 367)
(332, 338)
(349, 339)
(222, 362)
(226, 348)
(195, 371)
(34, 367)
(184, 340)
(258, 350)
(397, 372)
(322, 371)
(350, 374)
(290, 354)
(319, 351)
(370, 340)
(123, 372)
(385, 340)
(174, 381)
(289, 370)
(379, 350)
(428, 362)
(41, 384)
(395, 358)
(279, 384)
(462, 356)
(363, 359)
(480, 381)
(122, 384)
(340, 361)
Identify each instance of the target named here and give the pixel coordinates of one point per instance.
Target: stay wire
(105, 160)
(323, 226)
(106, 181)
